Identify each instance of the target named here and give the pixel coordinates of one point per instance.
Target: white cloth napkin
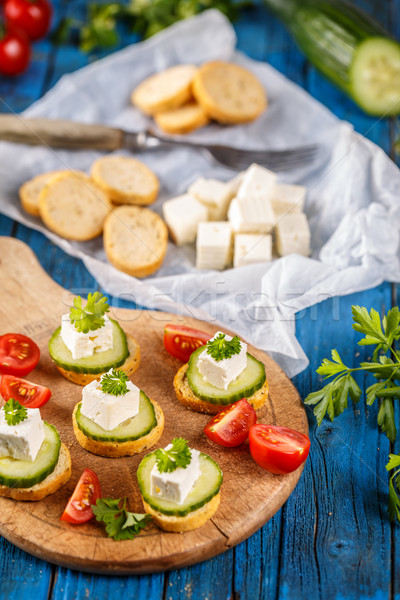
(352, 202)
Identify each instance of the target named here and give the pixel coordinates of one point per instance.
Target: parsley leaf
(394, 487)
(14, 412)
(219, 348)
(91, 316)
(114, 383)
(179, 455)
(120, 523)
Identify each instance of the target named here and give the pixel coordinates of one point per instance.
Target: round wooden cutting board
(31, 303)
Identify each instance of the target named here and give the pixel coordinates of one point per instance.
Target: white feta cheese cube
(287, 198)
(85, 344)
(214, 194)
(182, 215)
(292, 235)
(253, 215)
(22, 441)
(176, 485)
(235, 183)
(252, 248)
(257, 183)
(222, 372)
(106, 410)
(214, 245)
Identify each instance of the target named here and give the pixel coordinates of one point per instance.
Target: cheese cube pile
(214, 245)
(182, 215)
(240, 219)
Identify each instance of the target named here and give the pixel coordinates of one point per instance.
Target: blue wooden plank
(209, 579)
(6, 225)
(22, 576)
(71, 585)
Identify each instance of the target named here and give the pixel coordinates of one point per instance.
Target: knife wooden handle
(59, 134)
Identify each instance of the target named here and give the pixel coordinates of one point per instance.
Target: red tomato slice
(31, 395)
(181, 341)
(231, 426)
(276, 449)
(19, 355)
(86, 493)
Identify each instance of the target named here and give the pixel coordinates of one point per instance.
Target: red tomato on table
(19, 355)
(276, 449)
(30, 16)
(15, 52)
(31, 395)
(231, 426)
(180, 341)
(86, 493)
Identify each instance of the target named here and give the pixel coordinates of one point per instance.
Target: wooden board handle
(59, 134)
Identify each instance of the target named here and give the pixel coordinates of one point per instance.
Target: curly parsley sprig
(120, 523)
(114, 383)
(179, 455)
(14, 412)
(220, 348)
(332, 399)
(91, 316)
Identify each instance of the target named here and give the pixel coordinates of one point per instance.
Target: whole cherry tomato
(31, 16)
(15, 51)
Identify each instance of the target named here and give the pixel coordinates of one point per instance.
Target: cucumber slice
(375, 76)
(99, 362)
(128, 431)
(206, 487)
(249, 381)
(25, 473)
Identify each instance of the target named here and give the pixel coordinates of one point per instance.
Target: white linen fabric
(352, 202)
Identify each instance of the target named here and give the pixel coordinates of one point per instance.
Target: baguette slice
(228, 92)
(135, 240)
(125, 180)
(183, 119)
(29, 192)
(164, 90)
(193, 520)
(118, 449)
(51, 484)
(129, 366)
(72, 206)
(189, 399)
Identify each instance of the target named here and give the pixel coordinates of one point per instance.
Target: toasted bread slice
(193, 520)
(164, 90)
(135, 240)
(51, 484)
(29, 192)
(188, 398)
(125, 180)
(183, 119)
(129, 366)
(228, 92)
(72, 206)
(118, 449)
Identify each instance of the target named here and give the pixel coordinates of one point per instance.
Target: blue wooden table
(332, 539)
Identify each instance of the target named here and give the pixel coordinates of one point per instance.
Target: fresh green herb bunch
(91, 316)
(179, 455)
(120, 523)
(332, 399)
(144, 17)
(14, 412)
(220, 348)
(114, 383)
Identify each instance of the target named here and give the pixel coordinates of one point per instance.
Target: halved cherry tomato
(31, 16)
(86, 493)
(31, 395)
(231, 426)
(19, 355)
(181, 341)
(277, 449)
